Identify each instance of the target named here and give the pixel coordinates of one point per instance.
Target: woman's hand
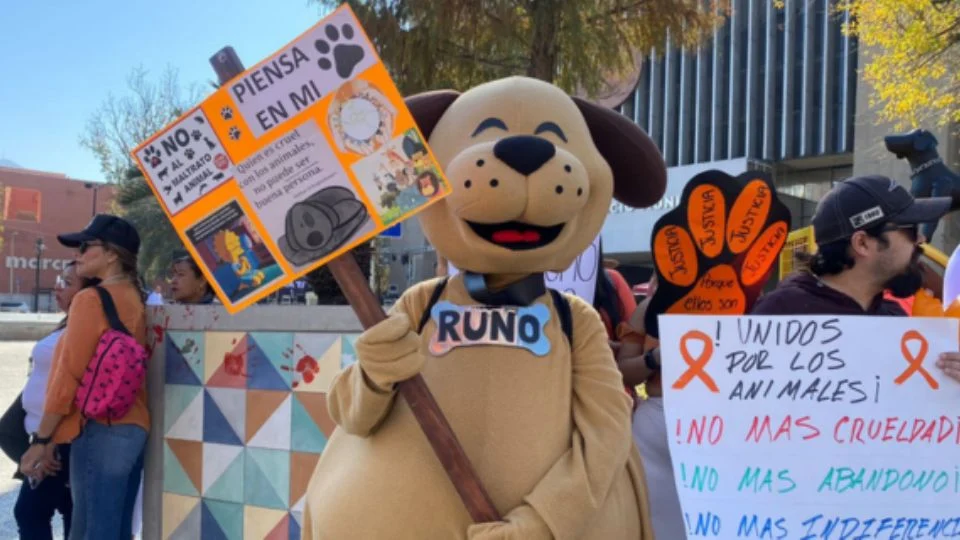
(49, 462)
(30, 461)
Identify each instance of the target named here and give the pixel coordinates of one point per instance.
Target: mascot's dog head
(533, 172)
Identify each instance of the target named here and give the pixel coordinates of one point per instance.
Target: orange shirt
(85, 324)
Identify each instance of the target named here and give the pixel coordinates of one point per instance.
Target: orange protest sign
(714, 252)
(292, 163)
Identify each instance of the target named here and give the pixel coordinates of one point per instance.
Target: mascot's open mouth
(516, 235)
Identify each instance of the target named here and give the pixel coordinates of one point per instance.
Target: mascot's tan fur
(533, 172)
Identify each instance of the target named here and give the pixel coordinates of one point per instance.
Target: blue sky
(59, 60)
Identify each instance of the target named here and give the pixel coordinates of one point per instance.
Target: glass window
(817, 79)
(671, 119)
(798, 34)
(723, 95)
(851, 94)
(778, 82)
(758, 104)
(688, 128)
(836, 108)
(706, 101)
(643, 89)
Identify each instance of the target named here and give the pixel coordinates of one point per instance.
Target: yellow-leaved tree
(911, 58)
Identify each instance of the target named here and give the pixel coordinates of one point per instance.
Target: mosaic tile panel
(245, 421)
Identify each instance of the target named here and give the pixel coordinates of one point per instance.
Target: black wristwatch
(37, 439)
(651, 361)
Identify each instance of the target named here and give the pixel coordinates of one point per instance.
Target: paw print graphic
(152, 156)
(346, 56)
(714, 252)
(234, 133)
(196, 134)
(226, 113)
(189, 153)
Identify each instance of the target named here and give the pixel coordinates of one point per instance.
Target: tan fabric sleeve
(86, 323)
(306, 521)
(575, 487)
(354, 402)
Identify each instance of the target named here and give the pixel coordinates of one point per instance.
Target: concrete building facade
(36, 207)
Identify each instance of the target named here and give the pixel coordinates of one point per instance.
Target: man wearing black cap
(866, 229)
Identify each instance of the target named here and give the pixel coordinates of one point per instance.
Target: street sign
(393, 232)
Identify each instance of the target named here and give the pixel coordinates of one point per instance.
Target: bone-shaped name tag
(467, 326)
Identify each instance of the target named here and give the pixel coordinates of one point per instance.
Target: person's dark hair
(128, 265)
(833, 258)
(84, 283)
(194, 267)
(605, 296)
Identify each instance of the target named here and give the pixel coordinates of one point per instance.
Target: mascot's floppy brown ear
(639, 172)
(427, 108)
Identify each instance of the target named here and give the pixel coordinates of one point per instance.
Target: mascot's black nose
(524, 153)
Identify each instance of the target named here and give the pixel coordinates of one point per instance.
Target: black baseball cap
(864, 202)
(106, 228)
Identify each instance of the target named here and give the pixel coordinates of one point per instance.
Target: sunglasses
(912, 231)
(85, 246)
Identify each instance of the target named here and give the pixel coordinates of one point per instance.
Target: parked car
(14, 307)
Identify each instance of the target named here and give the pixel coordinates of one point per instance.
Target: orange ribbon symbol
(916, 362)
(696, 366)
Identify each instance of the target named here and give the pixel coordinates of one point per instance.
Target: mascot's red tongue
(515, 236)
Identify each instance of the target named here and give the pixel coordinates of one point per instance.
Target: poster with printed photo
(400, 177)
(234, 253)
(303, 196)
(314, 144)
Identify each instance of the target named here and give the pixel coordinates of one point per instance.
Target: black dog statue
(929, 175)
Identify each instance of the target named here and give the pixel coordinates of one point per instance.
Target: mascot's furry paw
(389, 352)
(522, 523)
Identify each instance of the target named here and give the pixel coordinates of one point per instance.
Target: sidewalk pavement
(14, 358)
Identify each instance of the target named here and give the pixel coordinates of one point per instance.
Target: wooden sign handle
(425, 409)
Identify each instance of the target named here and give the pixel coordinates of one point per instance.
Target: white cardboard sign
(813, 427)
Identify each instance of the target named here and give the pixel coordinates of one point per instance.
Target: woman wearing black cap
(106, 458)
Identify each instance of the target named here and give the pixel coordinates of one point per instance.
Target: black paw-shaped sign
(152, 155)
(714, 252)
(226, 113)
(234, 133)
(196, 134)
(189, 153)
(346, 56)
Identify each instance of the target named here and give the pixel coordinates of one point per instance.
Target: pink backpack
(116, 372)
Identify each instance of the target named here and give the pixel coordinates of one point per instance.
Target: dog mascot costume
(543, 417)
